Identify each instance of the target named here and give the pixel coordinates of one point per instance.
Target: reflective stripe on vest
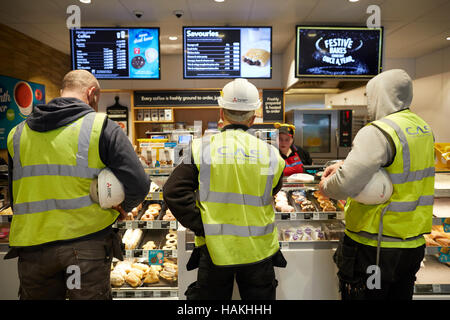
(81, 170)
(407, 175)
(206, 194)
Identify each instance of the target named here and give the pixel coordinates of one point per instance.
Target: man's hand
(330, 170)
(122, 212)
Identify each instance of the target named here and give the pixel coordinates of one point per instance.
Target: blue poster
(17, 99)
(143, 49)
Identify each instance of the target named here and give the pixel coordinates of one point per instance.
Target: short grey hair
(238, 116)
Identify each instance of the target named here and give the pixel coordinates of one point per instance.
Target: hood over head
(388, 92)
(57, 113)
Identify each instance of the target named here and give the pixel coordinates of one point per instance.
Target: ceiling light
(219, 0)
(85, 1)
(448, 38)
(173, 38)
(353, 0)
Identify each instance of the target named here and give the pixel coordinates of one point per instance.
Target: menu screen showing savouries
(227, 52)
(116, 53)
(340, 52)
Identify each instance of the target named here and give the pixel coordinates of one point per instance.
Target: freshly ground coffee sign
(176, 98)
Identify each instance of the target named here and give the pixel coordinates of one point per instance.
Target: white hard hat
(239, 95)
(107, 190)
(378, 190)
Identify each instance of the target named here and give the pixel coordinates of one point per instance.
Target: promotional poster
(17, 99)
(338, 52)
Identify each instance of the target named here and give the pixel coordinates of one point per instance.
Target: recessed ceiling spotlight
(173, 38)
(85, 1)
(448, 38)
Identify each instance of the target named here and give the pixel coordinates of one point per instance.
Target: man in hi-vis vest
(383, 244)
(64, 240)
(223, 192)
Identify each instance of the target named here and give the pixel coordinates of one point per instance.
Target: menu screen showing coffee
(227, 52)
(339, 52)
(116, 53)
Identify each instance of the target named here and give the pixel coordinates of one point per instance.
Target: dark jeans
(51, 272)
(255, 281)
(398, 268)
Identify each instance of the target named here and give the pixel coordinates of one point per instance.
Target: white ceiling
(412, 27)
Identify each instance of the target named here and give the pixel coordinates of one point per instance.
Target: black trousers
(255, 281)
(78, 270)
(398, 268)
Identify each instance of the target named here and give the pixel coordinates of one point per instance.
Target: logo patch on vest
(414, 131)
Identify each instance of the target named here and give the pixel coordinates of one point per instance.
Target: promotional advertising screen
(339, 52)
(116, 53)
(17, 99)
(227, 52)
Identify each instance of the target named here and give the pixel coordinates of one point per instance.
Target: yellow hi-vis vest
(401, 221)
(237, 173)
(52, 174)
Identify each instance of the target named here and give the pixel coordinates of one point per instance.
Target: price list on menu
(212, 53)
(104, 52)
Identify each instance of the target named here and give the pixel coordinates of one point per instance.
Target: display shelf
(149, 122)
(142, 255)
(139, 293)
(433, 277)
(314, 245)
(307, 216)
(435, 250)
(137, 224)
(159, 171)
(5, 218)
(442, 185)
(154, 196)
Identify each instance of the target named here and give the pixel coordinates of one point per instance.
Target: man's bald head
(83, 85)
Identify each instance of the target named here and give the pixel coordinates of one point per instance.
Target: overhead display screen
(116, 53)
(339, 52)
(227, 52)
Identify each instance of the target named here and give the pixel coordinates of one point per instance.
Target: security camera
(138, 14)
(178, 13)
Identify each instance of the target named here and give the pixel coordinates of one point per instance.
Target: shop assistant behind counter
(294, 156)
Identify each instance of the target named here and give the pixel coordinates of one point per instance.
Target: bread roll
(147, 217)
(152, 277)
(141, 266)
(138, 272)
(117, 279)
(149, 245)
(133, 280)
(156, 206)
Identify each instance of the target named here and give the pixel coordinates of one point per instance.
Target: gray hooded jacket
(388, 92)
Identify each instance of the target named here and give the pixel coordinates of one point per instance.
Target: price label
(150, 225)
(284, 245)
(293, 216)
(139, 294)
(173, 224)
(316, 216)
(128, 224)
(436, 288)
(128, 253)
(174, 253)
(145, 254)
(157, 294)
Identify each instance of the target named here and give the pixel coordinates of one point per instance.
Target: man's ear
(252, 120)
(221, 114)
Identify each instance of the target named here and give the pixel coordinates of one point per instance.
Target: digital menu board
(116, 53)
(227, 52)
(339, 52)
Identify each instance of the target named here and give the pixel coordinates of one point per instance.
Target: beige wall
(432, 92)
(25, 58)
